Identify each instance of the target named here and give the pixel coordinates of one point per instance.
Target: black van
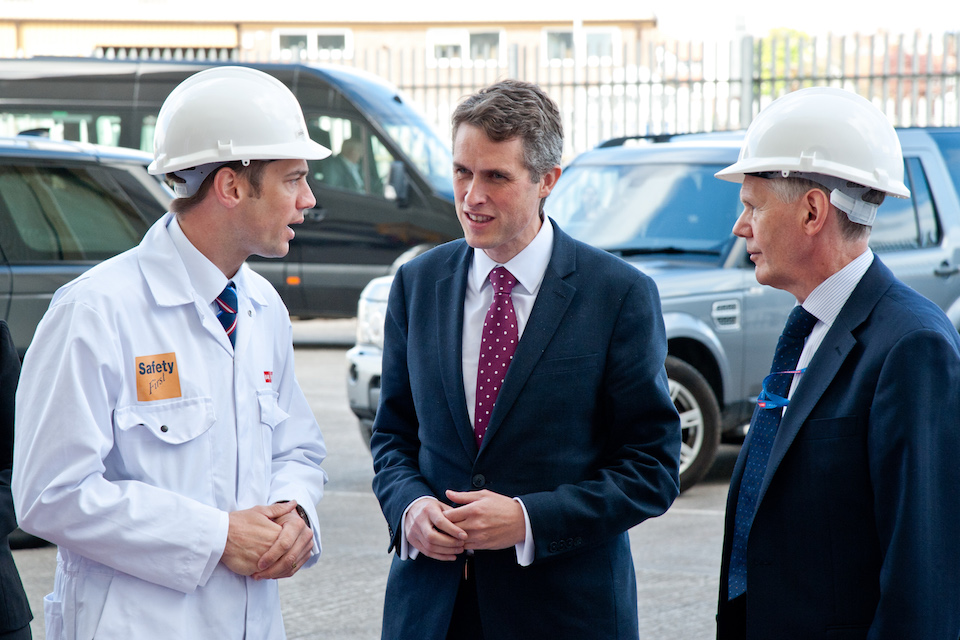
(387, 188)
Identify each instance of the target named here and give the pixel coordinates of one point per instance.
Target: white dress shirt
(208, 281)
(528, 267)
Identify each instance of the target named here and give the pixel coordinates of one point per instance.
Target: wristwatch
(300, 512)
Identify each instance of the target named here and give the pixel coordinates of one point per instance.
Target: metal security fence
(912, 78)
(652, 88)
(664, 88)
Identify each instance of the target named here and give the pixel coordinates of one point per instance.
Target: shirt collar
(826, 301)
(528, 266)
(205, 278)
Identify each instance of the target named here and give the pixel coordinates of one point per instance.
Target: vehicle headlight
(372, 311)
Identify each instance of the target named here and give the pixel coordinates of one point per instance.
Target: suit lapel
(548, 312)
(828, 359)
(449, 322)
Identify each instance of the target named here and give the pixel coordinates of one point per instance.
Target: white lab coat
(134, 485)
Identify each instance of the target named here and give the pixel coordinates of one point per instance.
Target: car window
(676, 206)
(907, 223)
(359, 162)
(98, 128)
(949, 143)
(64, 213)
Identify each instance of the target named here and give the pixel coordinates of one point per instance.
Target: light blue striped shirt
(825, 303)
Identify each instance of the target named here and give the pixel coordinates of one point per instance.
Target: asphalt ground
(677, 556)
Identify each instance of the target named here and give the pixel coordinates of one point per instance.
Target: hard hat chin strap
(193, 178)
(844, 195)
(856, 209)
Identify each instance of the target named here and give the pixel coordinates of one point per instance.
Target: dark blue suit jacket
(857, 531)
(583, 431)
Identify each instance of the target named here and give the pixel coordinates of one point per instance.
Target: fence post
(746, 81)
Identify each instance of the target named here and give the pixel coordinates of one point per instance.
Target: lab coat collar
(178, 275)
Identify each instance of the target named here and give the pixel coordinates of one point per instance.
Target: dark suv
(63, 208)
(658, 206)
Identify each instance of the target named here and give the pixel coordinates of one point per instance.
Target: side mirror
(398, 184)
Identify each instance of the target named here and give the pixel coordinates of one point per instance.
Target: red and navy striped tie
(227, 312)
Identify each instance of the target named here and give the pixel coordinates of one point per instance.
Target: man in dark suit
(15, 615)
(343, 169)
(513, 524)
(843, 517)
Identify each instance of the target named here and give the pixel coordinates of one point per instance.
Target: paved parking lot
(677, 556)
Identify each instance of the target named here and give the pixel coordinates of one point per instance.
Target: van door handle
(315, 215)
(945, 270)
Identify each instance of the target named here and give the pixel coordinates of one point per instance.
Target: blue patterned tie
(763, 430)
(227, 311)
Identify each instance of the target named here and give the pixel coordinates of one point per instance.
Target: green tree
(778, 58)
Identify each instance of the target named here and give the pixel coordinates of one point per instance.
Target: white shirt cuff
(525, 549)
(407, 550)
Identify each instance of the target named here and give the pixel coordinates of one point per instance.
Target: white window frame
(461, 38)
(547, 59)
(616, 47)
(446, 37)
(313, 51)
(501, 58)
(580, 56)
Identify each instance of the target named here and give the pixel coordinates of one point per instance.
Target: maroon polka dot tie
(497, 345)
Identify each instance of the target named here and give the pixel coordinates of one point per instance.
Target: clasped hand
(483, 520)
(267, 542)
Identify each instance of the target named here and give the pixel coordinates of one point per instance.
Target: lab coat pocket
(53, 616)
(270, 412)
(162, 443)
(271, 416)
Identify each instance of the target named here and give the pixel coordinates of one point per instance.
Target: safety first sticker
(158, 377)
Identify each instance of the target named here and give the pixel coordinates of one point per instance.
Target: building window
(449, 45)
(312, 44)
(485, 45)
(599, 44)
(447, 51)
(331, 42)
(585, 45)
(294, 47)
(560, 45)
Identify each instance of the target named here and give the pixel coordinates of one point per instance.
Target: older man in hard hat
(163, 441)
(843, 517)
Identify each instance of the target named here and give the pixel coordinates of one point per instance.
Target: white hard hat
(826, 131)
(230, 113)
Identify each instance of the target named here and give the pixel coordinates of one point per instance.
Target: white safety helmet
(224, 114)
(828, 135)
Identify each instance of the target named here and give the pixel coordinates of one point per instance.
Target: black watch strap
(300, 512)
(303, 514)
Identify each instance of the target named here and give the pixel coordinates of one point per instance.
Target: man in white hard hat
(843, 517)
(163, 441)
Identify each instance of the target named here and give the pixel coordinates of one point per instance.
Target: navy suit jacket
(583, 431)
(857, 529)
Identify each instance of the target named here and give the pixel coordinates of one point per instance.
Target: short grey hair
(789, 190)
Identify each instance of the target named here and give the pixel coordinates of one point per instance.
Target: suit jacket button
(479, 481)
